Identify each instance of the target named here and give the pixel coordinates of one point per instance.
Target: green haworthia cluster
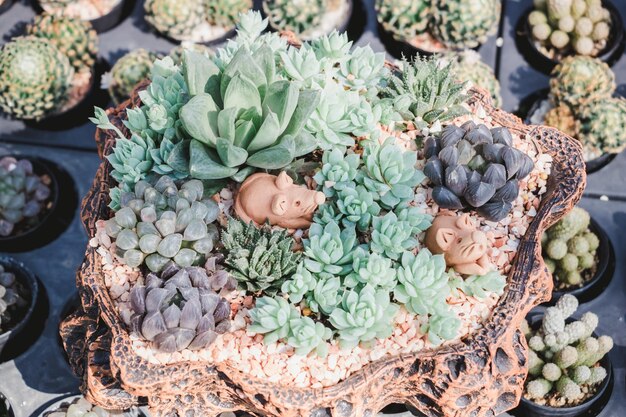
(564, 356)
(565, 27)
(23, 196)
(259, 258)
(163, 222)
(300, 17)
(35, 78)
(75, 38)
(570, 248)
(12, 301)
(424, 92)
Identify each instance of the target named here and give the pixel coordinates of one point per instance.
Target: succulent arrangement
(570, 249)
(564, 356)
(75, 38)
(456, 24)
(12, 300)
(570, 27)
(24, 196)
(473, 166)
(127, 72)
(581, 92)
(309, 120)
(467, 66)
(80, 407)
(181, 19)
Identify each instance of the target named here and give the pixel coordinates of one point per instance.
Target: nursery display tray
(36, 374)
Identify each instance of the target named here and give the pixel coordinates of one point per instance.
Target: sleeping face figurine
(464, 246)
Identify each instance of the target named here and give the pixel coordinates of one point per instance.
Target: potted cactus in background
(308, 19)
(195, 20)
(435, 26)
(468, 66)
(582, 103)
(569, 369)
(18, 295)
(555, 29)
(579, 255)
(78, 406)
(101, 14)
(132, 68)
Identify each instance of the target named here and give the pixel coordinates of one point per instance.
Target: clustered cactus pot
(482, 375)
(104, 20)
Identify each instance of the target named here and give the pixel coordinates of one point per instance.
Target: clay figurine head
(264, 197)
(462, 244)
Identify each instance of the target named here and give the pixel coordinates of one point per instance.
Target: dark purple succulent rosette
(474, 167)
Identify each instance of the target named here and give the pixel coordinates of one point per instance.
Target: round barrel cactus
(462, 24)
(35, 77)
(129, 70)
(224, 13)
(405, 19)
(602, 124)
(580, 78)
(468, 66)
(176, 18)
(297, 16)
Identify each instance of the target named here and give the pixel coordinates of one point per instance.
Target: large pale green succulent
(326, 295)
(422, 282)
(271, 317)
(364, 315)
(390, 172)
(259, 258)
(372, 269)
(35, 77)
(392, 237)
(425, 92)
(363, 71)
(330, 249)
(243, 118)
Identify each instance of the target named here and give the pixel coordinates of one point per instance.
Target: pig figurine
(276, 199)
(462, 244)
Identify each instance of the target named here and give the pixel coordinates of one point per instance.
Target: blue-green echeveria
(307, 335)
(390, 171)
(329, 249)
(363, 71)
(391, 236)
(301, 282)
(271, 318)
(422, 282)
(441, 327)
(357, 206)
(372, 269)
(326, 295)
(326, 213)
(334, 46)
(363, 316)
(338, 171)
(131, 160)
(416, 218)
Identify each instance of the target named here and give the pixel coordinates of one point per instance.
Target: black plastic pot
(590, 408)
(26, 277)
(531, 104)
(604, 270)
(6, 5)
(610, 54)
(108, 21)
(5, 407)
(80, 113)
(56, 219)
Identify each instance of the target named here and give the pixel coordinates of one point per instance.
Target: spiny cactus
(564, 357)
(23, 195)
(12, 300)
(562, 118)
(299, 17)
(468, 66)
(602, 124)
(474, 166)
(73, 37)
(162, 222)
(405, 19)
(176, 18)
(566, 27)
(224, 13)
(578, 79)
(35, 78)
(462, 24)
(259, 258)
(128, 71)
(182, 307)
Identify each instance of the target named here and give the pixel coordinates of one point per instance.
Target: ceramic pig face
(264, 197)
(462, 244)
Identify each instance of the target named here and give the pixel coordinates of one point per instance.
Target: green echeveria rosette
(271, 317)
(372, 269)
(463, 24)
(128, 71)
(298, 16)
(579, 78)
(224, 13)
(75, 38)
(392, 237)
(176, 18)
(35, 78)
(338, 171)
(405, 19)
(602, 124)
(330, 249)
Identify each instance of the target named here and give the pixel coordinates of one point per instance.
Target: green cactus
(562, 118)
(300, 17)
(578, 79)
(35, 78)
(405, 19)
(463, 24)
(601, 124)
(468, 66)
(75, 38)
(128, 71)
(225, 13)
(176, 18)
